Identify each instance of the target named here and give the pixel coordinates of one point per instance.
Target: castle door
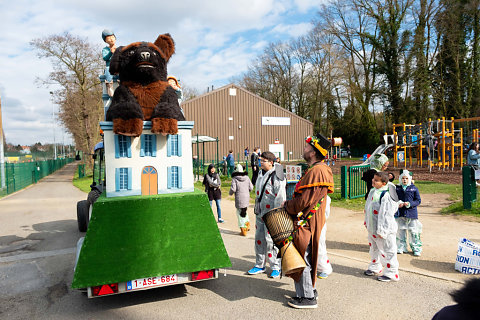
(149, 181)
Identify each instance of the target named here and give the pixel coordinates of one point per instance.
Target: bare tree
(76, 66)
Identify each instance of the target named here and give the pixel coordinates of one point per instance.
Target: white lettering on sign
(275, 121)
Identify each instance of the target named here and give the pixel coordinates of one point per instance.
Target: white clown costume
(273, 197)
(324, 268)
(380, 209)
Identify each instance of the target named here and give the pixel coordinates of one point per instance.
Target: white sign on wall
(277, 150)
(275, 121)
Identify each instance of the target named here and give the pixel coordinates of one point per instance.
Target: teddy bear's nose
(145, 55)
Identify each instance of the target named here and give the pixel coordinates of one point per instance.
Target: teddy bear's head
(143, 62)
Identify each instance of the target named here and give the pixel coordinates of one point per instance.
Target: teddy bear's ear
(166, 44)
(115, 61)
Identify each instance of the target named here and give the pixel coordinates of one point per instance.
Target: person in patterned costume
(308, 208)
(271, 192)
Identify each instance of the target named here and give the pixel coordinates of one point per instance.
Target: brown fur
(166, 45)
(130, 127)
(162, 125)
(147, 96)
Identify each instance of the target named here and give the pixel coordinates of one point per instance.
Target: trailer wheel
(82, 215)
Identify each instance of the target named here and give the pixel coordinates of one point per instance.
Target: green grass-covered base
(142, 236)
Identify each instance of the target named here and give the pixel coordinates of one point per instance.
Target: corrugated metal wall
(219, 114)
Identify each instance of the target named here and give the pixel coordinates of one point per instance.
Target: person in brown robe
(308, 208)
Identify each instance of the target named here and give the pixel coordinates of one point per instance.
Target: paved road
(38, 233)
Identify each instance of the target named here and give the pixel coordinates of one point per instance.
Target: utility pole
(2, 155)
(53, 118)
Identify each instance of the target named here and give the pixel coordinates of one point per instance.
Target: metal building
(242, 119)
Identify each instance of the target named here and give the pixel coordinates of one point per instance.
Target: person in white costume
(380, 209)
(324, 268)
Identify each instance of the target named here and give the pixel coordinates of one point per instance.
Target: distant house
(25, 150)
(242, 119)
(149, 164)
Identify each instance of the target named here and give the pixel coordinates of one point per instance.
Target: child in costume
(380, 209)
(241, 187)
(324, 268)
(108, 37)
(407, 215)
(270, 194)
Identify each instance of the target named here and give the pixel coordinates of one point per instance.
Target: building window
(174, 145)
(174, 177)
(123, 179)
(148, 146)
(122, 146)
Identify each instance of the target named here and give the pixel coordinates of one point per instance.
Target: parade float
(146, 225)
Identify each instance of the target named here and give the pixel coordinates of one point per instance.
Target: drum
(280, 226)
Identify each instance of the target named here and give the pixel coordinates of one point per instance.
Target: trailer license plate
(151, 282)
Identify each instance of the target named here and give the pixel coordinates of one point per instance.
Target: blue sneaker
(256, 270)
(322, 275)
(275, 274)
(220, 220)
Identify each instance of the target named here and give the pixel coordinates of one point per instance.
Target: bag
(468, 257)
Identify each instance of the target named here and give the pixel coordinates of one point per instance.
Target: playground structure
(437, 144)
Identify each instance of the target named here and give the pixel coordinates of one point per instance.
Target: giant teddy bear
(143, 93)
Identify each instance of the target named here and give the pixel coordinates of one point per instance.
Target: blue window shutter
(142, 145)
(179, 145)
(180, 177)
(169, 146)
(154, 145)
(169, 178)
(117, 147)
(129, 144)
(117, 179)
(129, 179)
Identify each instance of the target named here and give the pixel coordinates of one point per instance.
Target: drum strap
(265, 185)
(303, 220)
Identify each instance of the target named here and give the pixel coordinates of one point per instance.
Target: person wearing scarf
(308, 210)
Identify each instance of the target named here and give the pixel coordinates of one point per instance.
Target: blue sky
(215, 41)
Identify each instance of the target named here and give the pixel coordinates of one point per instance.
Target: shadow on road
(434, 266)
(347, 246)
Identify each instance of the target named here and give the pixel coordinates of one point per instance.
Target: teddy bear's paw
(130, 127)
(163, 125)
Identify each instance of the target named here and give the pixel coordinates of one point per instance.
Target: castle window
(174, 145)
(174, 177)
(123, 179)
(122, 146)
(148, 146)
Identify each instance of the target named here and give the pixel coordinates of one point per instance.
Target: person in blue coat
(407, 215)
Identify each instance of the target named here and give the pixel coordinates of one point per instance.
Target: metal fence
(21, 175)
(351, 181)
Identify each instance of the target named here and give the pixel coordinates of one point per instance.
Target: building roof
(232, 85)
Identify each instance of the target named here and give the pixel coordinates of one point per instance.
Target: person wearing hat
(378, 163)
(308, 207)
(241, 187)
(109, 38)
(407, 215)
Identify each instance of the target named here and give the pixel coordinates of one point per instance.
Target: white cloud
(215, 40)
(293, 30)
